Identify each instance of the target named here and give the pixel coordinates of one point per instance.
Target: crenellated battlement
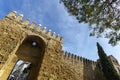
(77, 59)
(33, 27)
(21, 40)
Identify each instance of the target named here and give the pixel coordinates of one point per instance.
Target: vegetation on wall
(107, 67)
(103, 16)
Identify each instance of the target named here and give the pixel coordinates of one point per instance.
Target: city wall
(83, 69)
(53, 63)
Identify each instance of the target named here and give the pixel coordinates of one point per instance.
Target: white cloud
(76, 36)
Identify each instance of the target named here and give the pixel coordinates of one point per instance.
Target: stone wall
(82, 68)
(16, 36)
(10, 36)
(115, 63)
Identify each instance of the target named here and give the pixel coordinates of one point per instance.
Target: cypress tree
(107, 67)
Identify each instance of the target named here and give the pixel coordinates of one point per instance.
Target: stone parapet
(77, 59)
(35, 28)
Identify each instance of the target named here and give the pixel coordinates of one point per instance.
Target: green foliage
(103, 16)
(107, 66)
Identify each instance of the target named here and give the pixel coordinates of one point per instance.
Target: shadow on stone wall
(88, 70)
(92, 71)
(98, 72)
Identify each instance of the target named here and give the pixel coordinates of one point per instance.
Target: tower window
(34, 43)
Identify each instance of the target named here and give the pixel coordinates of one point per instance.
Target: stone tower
(20, 40)
(115, 63)
(30, 52)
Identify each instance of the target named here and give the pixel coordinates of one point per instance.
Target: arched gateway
(30, 54)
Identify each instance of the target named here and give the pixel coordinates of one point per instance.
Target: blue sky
(53, 15)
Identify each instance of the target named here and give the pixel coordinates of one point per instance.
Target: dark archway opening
(32, 50)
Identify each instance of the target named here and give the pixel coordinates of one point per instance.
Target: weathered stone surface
(48, 60)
